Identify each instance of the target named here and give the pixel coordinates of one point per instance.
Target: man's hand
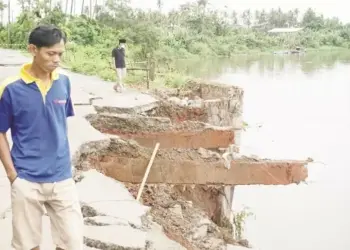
(5, 157)
(12, 177)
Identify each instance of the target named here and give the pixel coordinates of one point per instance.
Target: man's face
(48, 58)
(122, 45)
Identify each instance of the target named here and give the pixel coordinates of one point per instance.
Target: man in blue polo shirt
(35, 106)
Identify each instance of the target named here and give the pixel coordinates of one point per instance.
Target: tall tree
(247, 18)
(72, 7)
(66, 10)
(234, 18)
(2, 8)
(90, 9)
(160, 5)
(82, 7)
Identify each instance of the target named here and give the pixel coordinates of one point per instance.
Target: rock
(114, 237)
(204, 221)
(204, 153)
(244, 243)
(110, 198)
(197, 102)
(184, 102)
(200, 232)
(175, 100)
(214, 243)
(176, 209)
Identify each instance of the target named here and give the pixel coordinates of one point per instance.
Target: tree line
(192, 30)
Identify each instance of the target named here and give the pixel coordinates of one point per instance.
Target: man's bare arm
(5, 157)
(113, 63)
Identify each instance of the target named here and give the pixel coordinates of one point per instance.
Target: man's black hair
(46, 36)
(122, 40)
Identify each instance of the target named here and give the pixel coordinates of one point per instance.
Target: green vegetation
(239, 221)
(193, 31)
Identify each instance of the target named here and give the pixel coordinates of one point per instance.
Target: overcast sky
(329, 8)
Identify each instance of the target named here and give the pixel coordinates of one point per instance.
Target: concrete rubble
(112, 137)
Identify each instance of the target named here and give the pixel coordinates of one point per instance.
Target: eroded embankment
(147, 131)
(198, 129)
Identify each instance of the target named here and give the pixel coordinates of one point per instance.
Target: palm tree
(90, 8)
(82, 7)
(66, 10)
(203, 3)
(71, 7)
(2, 8)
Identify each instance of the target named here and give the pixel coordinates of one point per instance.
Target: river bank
(176, 72)
(100, 141)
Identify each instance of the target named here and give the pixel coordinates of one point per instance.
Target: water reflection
(309, 63)
(302, 106)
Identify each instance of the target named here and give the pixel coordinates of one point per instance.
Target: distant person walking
(118, 60)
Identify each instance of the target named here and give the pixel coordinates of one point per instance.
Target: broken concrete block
(147, 131)
(177, 210)
(128, 103)
(114, 237)
(126, 161)
(200, 232)
(110, 197)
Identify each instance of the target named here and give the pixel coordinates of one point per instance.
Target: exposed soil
(183, 220)
(130, 149)
(178, 113)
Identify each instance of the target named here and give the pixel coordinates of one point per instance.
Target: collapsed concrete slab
(114, 219)
(147, 131)
(129, 103)
(115, 237)
(110, 198)
(126, 161)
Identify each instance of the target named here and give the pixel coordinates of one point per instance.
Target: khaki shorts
(62, 205)
(121, 73)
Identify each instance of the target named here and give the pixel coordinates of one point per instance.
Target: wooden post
(148, 68)
(152, 72)
(147, 171)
